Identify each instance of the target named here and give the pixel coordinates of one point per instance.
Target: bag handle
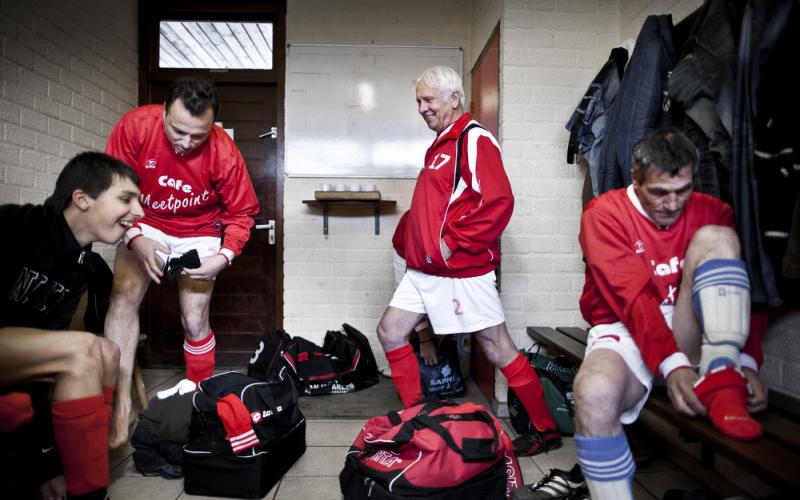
(473, 449)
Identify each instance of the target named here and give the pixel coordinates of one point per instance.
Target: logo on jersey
(673, 266)
(639, 246)
(439, 161)
(150, 164)
(176, 184)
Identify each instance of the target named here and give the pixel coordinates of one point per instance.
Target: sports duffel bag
(435, 450)
(244, 436)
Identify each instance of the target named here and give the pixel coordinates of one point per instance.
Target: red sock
(405, 374)
(199, 356)
(108, 399)
(81, 430)
(16, 409)
(723, 391)
(528, 388)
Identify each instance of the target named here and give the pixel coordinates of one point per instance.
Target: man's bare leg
(122, 328)
(199, 343)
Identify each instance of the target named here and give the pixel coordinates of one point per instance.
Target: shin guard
(721, 298)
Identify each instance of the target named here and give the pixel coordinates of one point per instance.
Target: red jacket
(205, 193)
(470, 217)
(633, 266)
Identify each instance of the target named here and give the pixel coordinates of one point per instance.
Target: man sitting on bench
(665, 289)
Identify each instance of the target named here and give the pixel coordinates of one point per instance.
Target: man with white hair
(461, 203)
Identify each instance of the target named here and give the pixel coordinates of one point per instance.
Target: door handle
(269, 226)
(272, 134)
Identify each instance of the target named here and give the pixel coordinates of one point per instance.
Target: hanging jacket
(763, 24)
(708, 60)
(587, 125)
(637, 109)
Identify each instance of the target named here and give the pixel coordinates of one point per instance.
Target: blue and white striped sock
(607, 465)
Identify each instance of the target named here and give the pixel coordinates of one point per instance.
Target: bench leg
(138, 385)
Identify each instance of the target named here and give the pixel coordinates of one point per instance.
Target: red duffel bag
(435, 450)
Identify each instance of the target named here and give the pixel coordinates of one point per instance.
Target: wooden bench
(774, 457)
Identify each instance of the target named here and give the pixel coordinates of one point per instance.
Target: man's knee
(497, 345)
(85, 354)
(110, 355)
(713, 242)
(598, 400)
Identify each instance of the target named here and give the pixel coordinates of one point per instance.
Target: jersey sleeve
(241, 205)
(623, 282)
(478, 228)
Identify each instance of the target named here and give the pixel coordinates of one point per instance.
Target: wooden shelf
(377, 205)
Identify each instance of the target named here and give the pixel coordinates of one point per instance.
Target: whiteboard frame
(424, 136)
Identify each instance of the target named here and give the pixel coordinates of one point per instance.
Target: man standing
(44, 274)
(665, 289)
(461, 203)
(196, 195)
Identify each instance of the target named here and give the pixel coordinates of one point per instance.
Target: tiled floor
(315, 475)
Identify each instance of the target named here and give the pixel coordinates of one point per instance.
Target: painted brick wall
(68, 70)
(347, 276)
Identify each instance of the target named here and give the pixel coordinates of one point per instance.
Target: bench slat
(557, 342)
(574, 333)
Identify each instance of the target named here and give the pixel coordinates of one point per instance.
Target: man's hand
(209, 268)
(681, 392)
(757, 399)
(427, 350)
(446, 252)
(54, 489)
(145, 250)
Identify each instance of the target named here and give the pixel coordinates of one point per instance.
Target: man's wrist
(228, 254)
(673, 362)
(130, 235)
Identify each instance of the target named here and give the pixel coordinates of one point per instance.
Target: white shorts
(616, 337)
(399, 265)
(453, 305)
(206, 246)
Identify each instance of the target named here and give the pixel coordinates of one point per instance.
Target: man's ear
(81, 200)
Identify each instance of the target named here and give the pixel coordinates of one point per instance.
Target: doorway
(485, 106)
(248, 296)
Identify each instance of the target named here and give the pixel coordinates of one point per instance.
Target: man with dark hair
(665, 290)
(462, 202)
(196, 195)
(42, 278)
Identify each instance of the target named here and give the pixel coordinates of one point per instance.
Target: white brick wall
(347, 276)
(68, 70)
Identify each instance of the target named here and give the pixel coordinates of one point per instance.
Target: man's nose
(137, 210)
(185, 141)
(671, 202)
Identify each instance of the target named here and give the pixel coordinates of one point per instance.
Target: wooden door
(485, 108)
(247, 297)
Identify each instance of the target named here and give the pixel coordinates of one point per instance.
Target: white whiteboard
(351, 109)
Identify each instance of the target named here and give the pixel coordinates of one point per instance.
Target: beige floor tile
(126, 468)
(531, 473)
(310, 487)
(320, 461)
(332, 432)
(118, 456)
(563, 458)
(145, 488)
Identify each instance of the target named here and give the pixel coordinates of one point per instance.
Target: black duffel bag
(210, 465)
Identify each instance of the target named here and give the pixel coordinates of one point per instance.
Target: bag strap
(472, 449)
(457, 176)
